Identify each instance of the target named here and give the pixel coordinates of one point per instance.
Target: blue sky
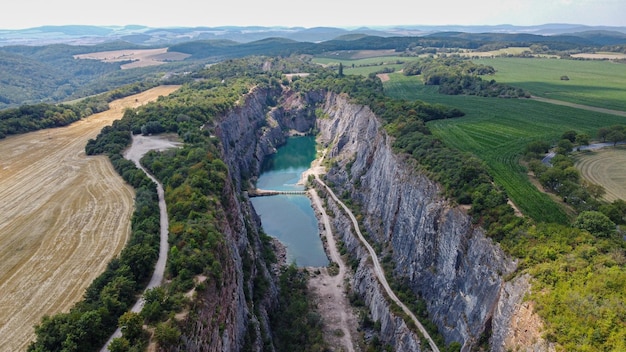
(346, 13)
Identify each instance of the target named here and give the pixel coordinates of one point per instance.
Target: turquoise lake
(290, 218)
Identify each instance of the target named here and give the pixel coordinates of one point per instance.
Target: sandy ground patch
(140, 57)
(601, 56)
(329, 292)
(384, 77)
(63, 217)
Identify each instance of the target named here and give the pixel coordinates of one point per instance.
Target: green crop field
(497, 130)
(365, 66)
(591, 82)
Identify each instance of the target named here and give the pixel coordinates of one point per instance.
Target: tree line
(33, 117)
(456, 76)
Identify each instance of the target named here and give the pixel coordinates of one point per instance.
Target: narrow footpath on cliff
(139, 147)
(316, 170)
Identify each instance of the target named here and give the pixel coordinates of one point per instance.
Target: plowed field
(63, 217)
(606, 167)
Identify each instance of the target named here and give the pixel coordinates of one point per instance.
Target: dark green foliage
(537, 149)
(596, 223)
(295, 325)
(570, 135)
(369, 91)
(456, 76)
(34, 117)
(167, 334)
(615, 211)
(33, 74)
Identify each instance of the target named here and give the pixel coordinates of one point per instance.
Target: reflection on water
(290, 218)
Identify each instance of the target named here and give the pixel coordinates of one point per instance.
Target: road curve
(134, 154)
(378, 270)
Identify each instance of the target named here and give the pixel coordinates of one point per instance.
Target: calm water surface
(290, 218)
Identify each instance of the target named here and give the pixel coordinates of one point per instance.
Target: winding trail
(63, 217)
(378, 270)
(331, 290)
(140, 146)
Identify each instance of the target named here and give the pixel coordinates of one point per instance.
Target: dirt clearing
(63, 217)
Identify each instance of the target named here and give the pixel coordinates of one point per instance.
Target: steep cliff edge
(448, 262)
(234, 316)
(445, 260)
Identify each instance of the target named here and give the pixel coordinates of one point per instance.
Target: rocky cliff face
(226, 318)
(436, 250)
(445, 260)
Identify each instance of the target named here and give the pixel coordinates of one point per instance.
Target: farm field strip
(63, 217)
(606, 167)
(591, 82)
(497, 130)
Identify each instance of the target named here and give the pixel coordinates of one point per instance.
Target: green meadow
(497, 130)
(365, 66)
(597, 83)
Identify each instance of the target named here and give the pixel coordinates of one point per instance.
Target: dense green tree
(569, 135)
(616, 136)
(615, 211)
(582, 139)
(603, 133)
(120, 344)
(131, 325)
(167, 334)
(596, 223)
(538, 147)
(564, 146)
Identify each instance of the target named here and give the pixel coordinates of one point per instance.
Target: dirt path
(340, 322)
(140, 146)
(378, 270)
(63, 217)
(580, 106)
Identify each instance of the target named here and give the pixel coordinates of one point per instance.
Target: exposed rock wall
(436, 250)
(225, 317)
(451, 264)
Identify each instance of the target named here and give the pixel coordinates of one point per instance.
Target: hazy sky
(312, 13)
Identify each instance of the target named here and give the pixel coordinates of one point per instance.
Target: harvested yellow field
(139, 57)
(63, 217)
(606, 167)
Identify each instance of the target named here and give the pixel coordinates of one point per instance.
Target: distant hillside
(35, 73)
(78, 35)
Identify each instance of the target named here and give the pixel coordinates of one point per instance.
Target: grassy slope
(497, 130)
